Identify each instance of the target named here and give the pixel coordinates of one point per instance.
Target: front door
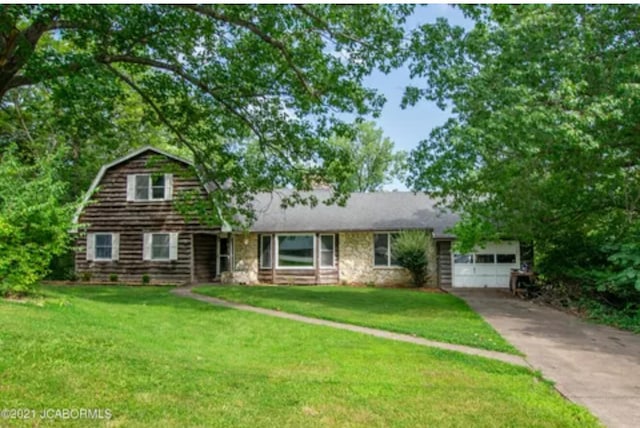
(204, 257)
(224, 256)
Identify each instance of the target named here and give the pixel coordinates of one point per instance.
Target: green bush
(409, 248)
(86, 277)
(113, 277)
(34, 224)
(146, 279)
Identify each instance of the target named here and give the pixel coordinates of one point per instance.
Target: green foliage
(543, 146)
(146, 279)
(86, 277)
(113, 277)
(409, 248)
(33, 224)
(373, 157)
(627, 317)
(207, 79)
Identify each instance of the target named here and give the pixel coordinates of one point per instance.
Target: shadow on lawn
(129, 295)
(365, 300)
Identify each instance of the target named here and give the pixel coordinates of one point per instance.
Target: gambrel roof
(105, 168)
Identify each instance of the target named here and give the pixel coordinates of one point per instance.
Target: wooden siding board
(109, 211)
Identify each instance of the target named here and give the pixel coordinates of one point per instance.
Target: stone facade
(245, 260)
(356, 263)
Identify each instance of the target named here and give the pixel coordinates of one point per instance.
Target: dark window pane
(103, 240)
(224, 246)
(224, 264)
(326, 243)
(142, 187)
(381, 249)
(265, 251)
(160, 246)
(506, 258)
(103, 246)
(295, 251)
(463, 258)
(393, 261)
(157, 188)
(485, 258)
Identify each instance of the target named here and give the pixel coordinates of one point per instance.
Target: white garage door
(486, 267)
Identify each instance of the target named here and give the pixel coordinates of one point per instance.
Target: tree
(375, 162)
(33, 224)
(544, 144)
(216, 77)
(409, 248)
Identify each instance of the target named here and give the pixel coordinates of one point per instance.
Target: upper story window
(149, 187)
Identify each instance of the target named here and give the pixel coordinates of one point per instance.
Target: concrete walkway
(508, 358)
(592, 365)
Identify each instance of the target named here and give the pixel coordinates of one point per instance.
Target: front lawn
(154, 359)
(434, 316)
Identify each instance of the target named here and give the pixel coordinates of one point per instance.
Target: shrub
(113, 277)
(86, 277)
(146, 279)
(409, 248)
(34, 223)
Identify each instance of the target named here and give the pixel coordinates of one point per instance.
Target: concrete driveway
(592, 365)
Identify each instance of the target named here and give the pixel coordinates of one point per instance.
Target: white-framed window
(265, 252)
(327, 251)
(160, 246)
(103, 246)
(382, 254)
(295, 251)
(149, 187)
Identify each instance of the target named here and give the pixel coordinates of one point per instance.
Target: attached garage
(486, 267)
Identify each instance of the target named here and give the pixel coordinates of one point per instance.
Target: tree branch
(277, 44)
(109, 59)
(325, 25)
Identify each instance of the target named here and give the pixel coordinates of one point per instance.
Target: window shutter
(91, 246)
(173, 246)
(146, 247)
(131, 188)
(168, 187)
(115, 246)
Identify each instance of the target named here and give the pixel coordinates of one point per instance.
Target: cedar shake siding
(109, 211)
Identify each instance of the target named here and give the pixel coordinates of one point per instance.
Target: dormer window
(149, 187)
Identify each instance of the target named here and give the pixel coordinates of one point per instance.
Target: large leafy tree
(80, 85)
(217, 76)
(376, 161)
(544, 141)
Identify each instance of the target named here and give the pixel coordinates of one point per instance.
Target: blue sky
(408, 127)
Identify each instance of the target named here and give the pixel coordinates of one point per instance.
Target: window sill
(295, 268)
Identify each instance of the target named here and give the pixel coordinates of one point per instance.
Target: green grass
(154, 359)
(435, 316)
